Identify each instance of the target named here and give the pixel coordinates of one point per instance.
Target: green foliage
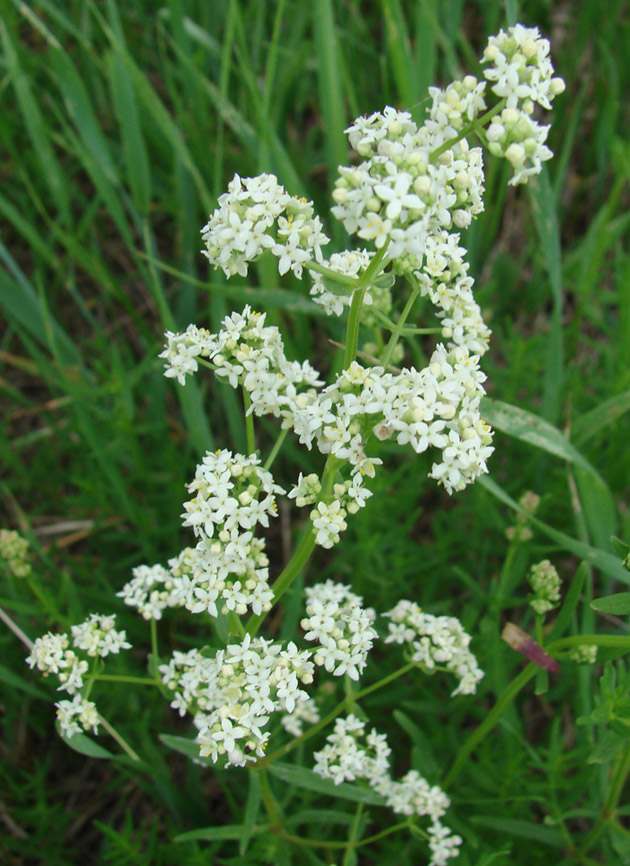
(122, 123)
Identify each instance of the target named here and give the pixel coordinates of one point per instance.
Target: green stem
(124, 745)
(309, 843)
(353, 837)
(472, 127)
(249, 423)
(154, 640)
(333, 275)
(489, 722)
(352, 329)
(269, 801)
(114, 678)
(396, 333)
(276, 448)
(293, 744)
(286, 578)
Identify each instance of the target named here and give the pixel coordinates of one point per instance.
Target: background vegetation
(121, 124)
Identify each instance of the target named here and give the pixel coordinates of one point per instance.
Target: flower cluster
(341, 626)
(529, 502)
(76, 716)
(444, 279)
(233, 494)
(182, 351)
(305, 711)
(545, 581)
(584, 654)
(522, 73)
(151, 591)
(247, 353)
(233, 693)
(453, 108)
(51, 654)
(345, 758)
(14, 552)
(257, 214)
(437, 643)
(400, 193)
(437, 406)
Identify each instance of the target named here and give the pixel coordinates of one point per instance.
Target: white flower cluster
(453, 108)
(437, 406)
(522, 73)
(345, 759)
(305, 711)
(584, 654)
(182, 351)
(257, 214)
(437, 642)
(398, 195)
(98, 637)
(444, 279)
(14, 551)
(232, 694)
(545, 581)
(51, 654)
(249, 354)
(341, 626)
(151, 591)
(232, 495)
(76, 716)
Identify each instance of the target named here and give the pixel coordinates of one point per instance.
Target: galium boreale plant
(408, 195)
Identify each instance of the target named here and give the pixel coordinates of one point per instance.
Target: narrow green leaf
(52, 173)
(600, 559)
(545, 219)
(622, 549)
(184, 745)
(618, 604)
(532, 429)
(212, 834)
(399, 53)
(252, 810)
(329, 80)
(22, 303)
(85, 745)
(591, 423)
(572, 598)
(303, 778)
(320, 816)
(134, 146)
(522, 829)
(598, 506)
(79, 106)
(16, 682)
(608, 746)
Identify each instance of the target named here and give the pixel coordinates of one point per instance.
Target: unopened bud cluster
(529, 502)
(545, 581)
(14, 553)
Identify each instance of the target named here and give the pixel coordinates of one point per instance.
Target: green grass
(122, 123)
